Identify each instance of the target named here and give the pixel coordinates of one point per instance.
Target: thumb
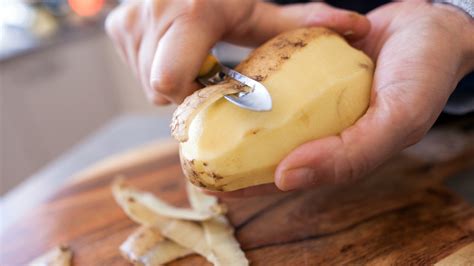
(342, 158)
(269, 20)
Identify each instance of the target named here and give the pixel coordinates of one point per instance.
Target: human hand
(422, 51)
(166, 41)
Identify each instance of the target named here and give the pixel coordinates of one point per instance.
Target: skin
(422, 51)
(165, 41)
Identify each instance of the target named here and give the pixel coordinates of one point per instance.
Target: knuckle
(130, 17)
(157, 99)
(320, 5)
(347, 170)
(359, 167)
(112, 23)
(153, 7)
(312, 13)
(150, 4)
(156, 8)
(316, 8)
(165, 83)
(123, 18)
(414, 137)
(414, 113)
(418, 124)
(193, 7)
(195, 4)
(350, 165)
(418, 130)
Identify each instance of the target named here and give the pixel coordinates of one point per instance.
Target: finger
(157, 17)
(352, 25)
(179, 56)
(356, 151)
(132, 45)
(131, 33)
(269, 20)
(113, 27)
(145, 58)
(157, 99)
(335, 159)
(266, 189)
(123, 27)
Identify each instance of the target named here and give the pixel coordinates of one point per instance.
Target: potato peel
(197, 101)
(164, 209)
(185, 233)
(58, 256)
(218, 231)
(165, 252)
(146, 246)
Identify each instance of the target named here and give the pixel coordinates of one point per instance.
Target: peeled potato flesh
(319, 85)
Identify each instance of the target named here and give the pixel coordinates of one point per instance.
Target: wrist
(467, 6)
(463, 23)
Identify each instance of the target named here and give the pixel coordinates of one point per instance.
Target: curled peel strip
(185, 233)
(162, 208)
(200, 99)
(218, 231)
(163, 238)
(146, 246)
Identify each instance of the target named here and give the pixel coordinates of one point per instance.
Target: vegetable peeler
(256, 99)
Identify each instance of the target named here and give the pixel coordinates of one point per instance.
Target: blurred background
(60, 81)
(66, 98)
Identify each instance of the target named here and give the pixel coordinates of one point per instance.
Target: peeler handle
(209, 66)
(210, 72)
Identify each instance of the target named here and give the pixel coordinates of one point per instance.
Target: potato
(319, 86)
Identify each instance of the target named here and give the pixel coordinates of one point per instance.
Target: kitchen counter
(403, 213)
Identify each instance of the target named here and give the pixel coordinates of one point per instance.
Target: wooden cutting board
(401, 214)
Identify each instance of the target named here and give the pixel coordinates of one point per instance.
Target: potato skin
(193, 175)
(270, 56)
(260, 64)
(186, 111)
(197, 174)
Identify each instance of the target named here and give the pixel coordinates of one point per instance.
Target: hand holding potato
(320, 85)
(166, 41)
(422, 51)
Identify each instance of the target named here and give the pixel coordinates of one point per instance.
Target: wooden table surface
(401, 214)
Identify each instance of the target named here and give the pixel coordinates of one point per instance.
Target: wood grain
(401, 214)
(462, 257)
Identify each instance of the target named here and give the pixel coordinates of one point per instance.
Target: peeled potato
(319, 86)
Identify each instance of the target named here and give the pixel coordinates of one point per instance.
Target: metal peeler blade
(257, 99)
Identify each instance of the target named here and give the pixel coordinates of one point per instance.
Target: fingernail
(297, 178)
